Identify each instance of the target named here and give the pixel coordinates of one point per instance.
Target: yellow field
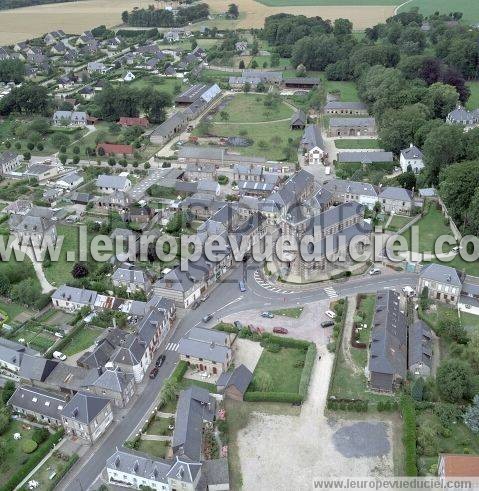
(20, 24)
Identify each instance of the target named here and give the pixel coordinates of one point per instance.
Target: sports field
(470, 8)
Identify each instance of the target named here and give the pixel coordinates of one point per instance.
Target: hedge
(359, 405)
(409, 434)
(33, 461)
(286, 342)
(225, 327)
(272, 397)
(59, 345)
(307, 370)
(179, 372)
(70, 463)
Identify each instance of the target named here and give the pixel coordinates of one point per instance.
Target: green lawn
(471, 268)
(359, 143)
(281, 367)
(469, 8)
(188, 382)
(348, 90)
(170, 85)
(53, 464)
(429, 227)
(470, 321)
(294, 312)
(366, 307)
(269, 139)
(12, 309)
(397, 222)
(83, 339)
(153, 448)
(473, 101)
(159, 426)
(436, 310)
(250, 108)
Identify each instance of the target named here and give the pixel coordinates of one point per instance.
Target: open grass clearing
(159, 426)
(82, 339)
(360, 143)
(294, 312)
(347, 90)
(431, 226)
(284, 369)
(251, 108)
(154, 448)
(398, 222)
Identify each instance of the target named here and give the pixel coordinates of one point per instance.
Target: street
(226, 298)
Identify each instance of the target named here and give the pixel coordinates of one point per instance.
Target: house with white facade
(411, 157)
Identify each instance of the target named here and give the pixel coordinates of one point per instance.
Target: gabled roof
(36, 368)
(396, 193)
(346, 122)
(114, 380)
(84, 407)
(75, 295)
(13, 353)
(442, 274)
(240, 378)
(412, 152)
(312, 137)
(40, 401)
(365, 157)
(419, 344)
(339, 105)
(114, 182)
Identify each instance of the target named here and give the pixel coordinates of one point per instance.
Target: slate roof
(36, 368)
(75, 295)
(13, 353)
(312, 137)
(339, 105)
(114, 182)
(184, 469)
(129, 273)
(299, 117)
(346, 122)
(46, 403)
(442, 274)
(420, 344)
(128, 461)
(352, 187)
(114, 380)
(200, 349)
(84, 407)
(208, 335)
(412, 152)
(164, 129)
(7, 156)
(195, 405)
(240, 378)
(388, 350)
(396, 193)
(365, 157)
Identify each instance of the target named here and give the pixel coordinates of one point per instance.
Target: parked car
(374, 271)
(207, 317)
(154, 372)
(238, 325)
(58, 355)
(59, 335)
(280, 330)
(205, 297)
(195, 305)
(327, 323)
(160, 361)
(330, 314)
(408, 291)
(268, 315)
(242, 286)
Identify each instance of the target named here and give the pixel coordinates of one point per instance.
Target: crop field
(469, 8)
(75, 17)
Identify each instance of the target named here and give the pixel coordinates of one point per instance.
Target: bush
(29, 446)
(179, 372)
(222, 180)
(307, 371)
(4, 422)
(256, 396)
(40, 435)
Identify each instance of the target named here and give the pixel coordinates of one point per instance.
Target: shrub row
(71, 461)
(59, 345)
(272, 397)
(33, 461)
(409, 434)
(358, 405)
(382, 406)
(223, 326)
(307, 370)
(179, 372)
(286, 342)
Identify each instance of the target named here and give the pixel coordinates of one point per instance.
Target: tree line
(152, 17)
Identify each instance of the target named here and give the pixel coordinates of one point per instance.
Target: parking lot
(307, 326)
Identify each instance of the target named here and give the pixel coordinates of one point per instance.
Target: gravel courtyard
(279, 452)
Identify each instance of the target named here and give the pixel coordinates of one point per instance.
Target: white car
(408, 291)
(330, 314)
(374, 271)
(58, 355)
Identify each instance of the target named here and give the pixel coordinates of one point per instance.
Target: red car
(280, 330)
(154, 372)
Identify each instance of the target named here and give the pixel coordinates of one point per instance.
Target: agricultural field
(473, 101)
(427, 7)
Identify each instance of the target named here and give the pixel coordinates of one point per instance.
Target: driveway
(285, 452)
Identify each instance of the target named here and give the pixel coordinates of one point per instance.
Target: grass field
(431, 226)
(281, 367)
(82, 340)
(75, 17)
(397, 222)
(283, 3)
(294, 312)
(348, 90)
(163, 84)
(469, 8)
(359, 144)
(473, 101)
(153, 448)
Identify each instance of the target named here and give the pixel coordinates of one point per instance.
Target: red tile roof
(115, 148)
(457, 465)
(143, 122)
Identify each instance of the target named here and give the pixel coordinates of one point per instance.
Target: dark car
(154, 372)
(195, 305)
(280, 330)
(207, 317)
(160, 361)
(327, 323)
(238, 325)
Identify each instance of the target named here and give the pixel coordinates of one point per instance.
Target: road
(225, 298)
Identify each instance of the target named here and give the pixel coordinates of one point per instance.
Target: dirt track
(20, 24)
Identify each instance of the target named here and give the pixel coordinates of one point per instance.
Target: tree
(4, 422)
(124, 17)
(28, 98)
(342, 27)
(254, 64)
(233, 10)
(79, 270)
(246, 87)
(60, 140)
(224, 115)
(241, 65)
(441, 99)
(315, 52)
(4, 284)
(12, 71)
(450, 327)
(263, 381)
(275, 59)
(453, 380)
(8, 390)
(471, 416)
(168, 391)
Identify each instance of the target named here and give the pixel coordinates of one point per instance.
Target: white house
(70, 181)
(413, 157)
(128, 77)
